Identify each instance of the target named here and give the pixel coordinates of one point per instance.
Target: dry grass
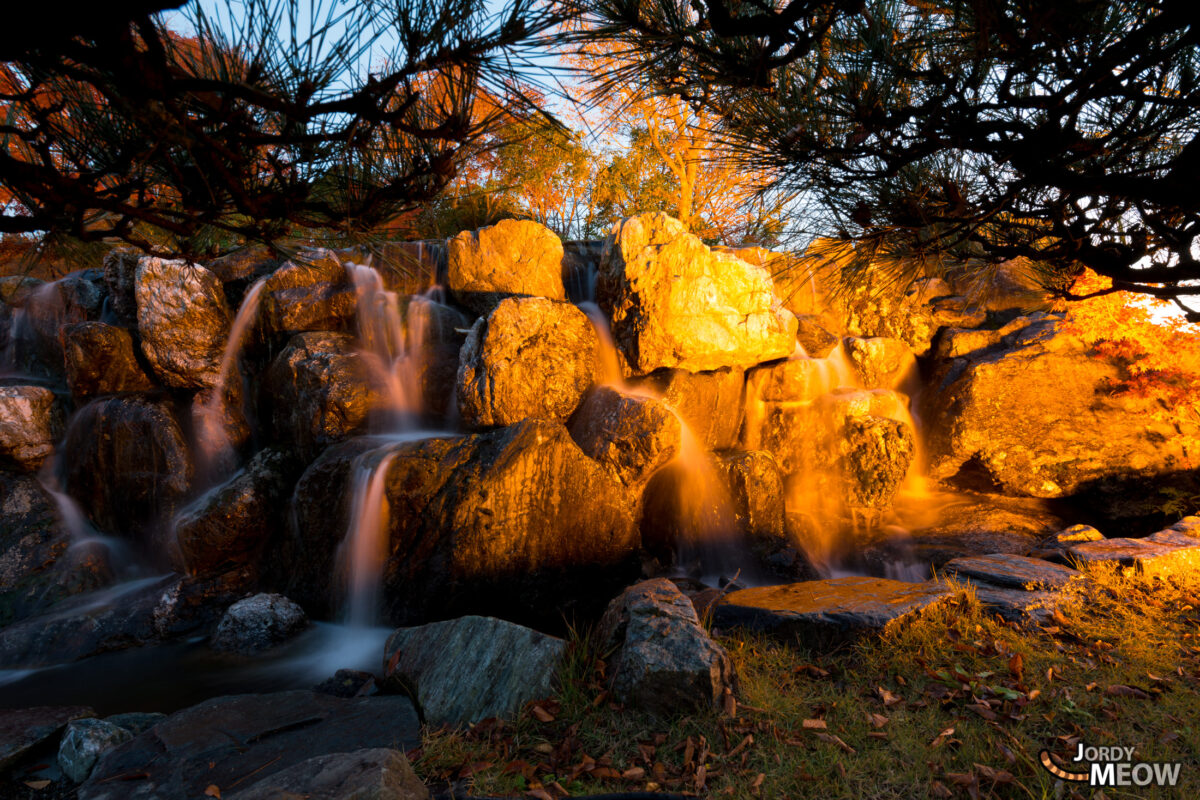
(959, 703)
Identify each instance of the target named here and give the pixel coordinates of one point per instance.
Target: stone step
(1018, 605)
(836, 609)
(1162, 554)
(1011, 571)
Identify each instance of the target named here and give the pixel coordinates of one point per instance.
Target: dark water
(173, 676)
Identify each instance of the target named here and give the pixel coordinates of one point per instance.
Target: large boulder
(756, 491)
(517, 523)
(311, 293)
(30, 424)
(710, 403)
(531, 357)
(1033, 414)
(45, 308)
(258, 623)
(127, 462)
(100, 360)
(183, 321)
(319, 391)
(38, 566)
(465, 670)
(378, 773)
(513, 258)
(674, 302)
(228, 526)
(631, 435)
(875, 454)
(222, 741)
(662, 660)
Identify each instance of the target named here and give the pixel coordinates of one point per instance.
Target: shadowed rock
(223, 740)
(829, 610)
(530, 357)
(100, 360)
(24, 730)
(513, 258)
(258, 623)
(674, 302)
(83, 744)
(663, 662)
(468, 669)
(631, 436)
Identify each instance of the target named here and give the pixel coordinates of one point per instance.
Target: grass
(956, 704)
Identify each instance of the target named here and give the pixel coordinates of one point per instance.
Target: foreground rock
(1160, 554)
(221, 741)
(663, 662)
(127, 463)
(631, 436)
(375, 774)
(229, 526)
(517, 523)
(829, 610)
(24, 730)
(468, 669)
(83, 744)
(258, 623)
(674, 302)
(1011, 571)
(100, 360)
(30, 424)
(183, 321)
(530, 357)
(511, 258)
(319, 390)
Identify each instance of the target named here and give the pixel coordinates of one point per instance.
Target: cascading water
(214, 448)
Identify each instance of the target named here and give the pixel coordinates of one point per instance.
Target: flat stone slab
(22, 730)
(234, 742)
(1012, 571)
(1018, 605)
(835, 609)
(378, 774)
(1147, 556)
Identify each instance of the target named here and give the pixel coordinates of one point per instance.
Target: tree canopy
(979, 129)
(266, 117)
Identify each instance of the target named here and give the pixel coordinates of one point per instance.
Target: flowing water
(214, 449)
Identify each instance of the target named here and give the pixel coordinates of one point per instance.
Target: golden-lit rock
(834, 609)
(530, 357)
(710, 403)
(812, 334)
(874, 456)
(183, 321)
(100, 360)
(1161, 556)
(674, 302)
(319, 391)
(757, 494)
(30, 424)
(881, 363)
(1011, 571)
(311, 293)
(630, 435)
(513, 258)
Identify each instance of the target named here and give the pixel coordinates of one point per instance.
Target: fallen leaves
(212, 790)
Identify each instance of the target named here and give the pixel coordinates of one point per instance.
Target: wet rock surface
(183, 321)
(372, 774)
(710, 403)
(831, 609)
(465, 670)
(530, 357)
(663, 661)
(258, 623)
(221, 741)
(30, 424)
(513, 258)
(674, 302)
(127, 463)
(100, 360)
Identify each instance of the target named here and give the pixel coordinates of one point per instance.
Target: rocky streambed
(486, 440)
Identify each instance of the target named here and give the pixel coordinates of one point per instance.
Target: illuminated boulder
(311, 293)
(30, 423)
(880, 363)
(100, 360)
(513, 258)
(183, 321)
(531, 357)
(709, 403)
(674, 302)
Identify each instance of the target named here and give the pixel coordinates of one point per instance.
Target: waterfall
(363, 552)
(85, 538)
(214, 449)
